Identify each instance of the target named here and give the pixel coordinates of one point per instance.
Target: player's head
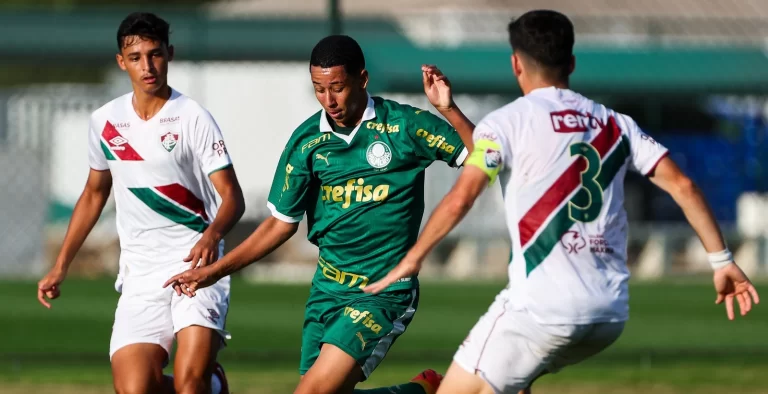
(337, 68)
(542, 44)
(143, 50)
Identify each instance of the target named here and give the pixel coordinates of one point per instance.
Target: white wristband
(720, 259)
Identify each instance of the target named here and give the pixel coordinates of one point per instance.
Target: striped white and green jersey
(160, 171)
(562, 160)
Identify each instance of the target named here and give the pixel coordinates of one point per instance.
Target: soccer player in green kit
(356, 170)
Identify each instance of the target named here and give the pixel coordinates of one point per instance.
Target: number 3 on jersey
(585, 206)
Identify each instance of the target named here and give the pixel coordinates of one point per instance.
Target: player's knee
(315, 386)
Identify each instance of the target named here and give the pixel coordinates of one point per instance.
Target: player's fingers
(742, 304)
(747, 302)
(192, 288)
(204, 259)
(729, 306)
(753, 292)
(174, 279)
(185, 289)
(425, 79)
(177, 289)
(41, 298)
(189, 256)
(375, 287)
(195, 259)
(719, 299)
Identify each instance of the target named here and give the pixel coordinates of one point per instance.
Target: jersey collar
(325, 127)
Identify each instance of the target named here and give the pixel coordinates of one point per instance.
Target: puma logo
(360, 336)
(323, 158)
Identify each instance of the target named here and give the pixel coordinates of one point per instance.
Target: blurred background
(692, 73)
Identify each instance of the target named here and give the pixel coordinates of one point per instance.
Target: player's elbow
(683, 188)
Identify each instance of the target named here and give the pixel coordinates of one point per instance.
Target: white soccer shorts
(509, 349)
(149, 313)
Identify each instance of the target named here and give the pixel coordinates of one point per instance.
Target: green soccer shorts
(364, 326)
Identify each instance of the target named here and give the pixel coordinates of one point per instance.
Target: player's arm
(229, 213)
(649, 158)
(437, 87)
(481, 169)
(668, 176)
(288, 199)
(730, 280)
(86, 213)
(211, 153)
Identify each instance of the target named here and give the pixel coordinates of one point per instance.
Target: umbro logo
(117, 141)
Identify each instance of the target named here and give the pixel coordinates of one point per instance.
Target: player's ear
(364, 78)
(572, 66)
(517, 65)
(120, 61)
(170, 52)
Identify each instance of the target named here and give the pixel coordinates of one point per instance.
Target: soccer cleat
(429, 380)
(218, 370)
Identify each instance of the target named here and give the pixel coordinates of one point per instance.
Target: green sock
(408, 388)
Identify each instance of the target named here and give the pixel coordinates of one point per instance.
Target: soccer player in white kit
(165, 158)
(561, 159)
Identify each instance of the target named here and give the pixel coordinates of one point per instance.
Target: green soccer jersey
(363, 193)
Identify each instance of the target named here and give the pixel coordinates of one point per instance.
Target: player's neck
(539, 83)
(147, 105)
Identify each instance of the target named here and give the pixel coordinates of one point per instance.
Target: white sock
(215, 384)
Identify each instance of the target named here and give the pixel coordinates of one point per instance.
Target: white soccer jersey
(160, 167)
(564, 159)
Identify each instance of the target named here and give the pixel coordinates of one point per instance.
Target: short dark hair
(338, 50)
(145, 25)
(546, 37)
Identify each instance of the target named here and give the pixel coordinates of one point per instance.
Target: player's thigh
(367, 326)
(138, 369)
(460, 381)
(196, 350)
(508, 349)
(595, 339)
(334, 371)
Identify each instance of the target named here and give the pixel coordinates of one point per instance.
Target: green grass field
(677, 341)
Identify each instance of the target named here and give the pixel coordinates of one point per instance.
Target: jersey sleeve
(209, 146)
(489, 153)
(436, 139)
(289, 194)
(97, 151)
(645, 152)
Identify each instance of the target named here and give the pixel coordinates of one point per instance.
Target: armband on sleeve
(487, 157)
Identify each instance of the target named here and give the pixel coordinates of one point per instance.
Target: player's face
(342, 96)
(146, 62)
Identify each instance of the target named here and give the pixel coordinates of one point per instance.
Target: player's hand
(205, 252)
(406, 269)
(731, 282)
(49, 286)
(192, 280)
(437, 87)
